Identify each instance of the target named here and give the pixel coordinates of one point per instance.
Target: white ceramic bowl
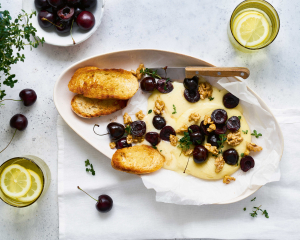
(64, 40)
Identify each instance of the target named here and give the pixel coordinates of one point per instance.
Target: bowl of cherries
(65, 22)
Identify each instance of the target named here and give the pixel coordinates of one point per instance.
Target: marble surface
(193, 27)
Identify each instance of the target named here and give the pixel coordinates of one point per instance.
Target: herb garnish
(254, 212)
(87, 163)
(245, 209)
(174, 108)
(242, 155)
(245, 132)
(240, 117)
(211, 98)
(257, 135)
(150, 72)
(185, 142)
(165, 86)
(253, 199)
(154, 147)
(150, 111)
(223, 138)
(128, 130)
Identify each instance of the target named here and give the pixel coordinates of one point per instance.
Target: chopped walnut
(138, 71)
(183, 129)
(253, 147)
(212, 127)
(227, 179)
(173, 140)
(212, 149)
(219, 163)
(194, 117)
(205, 90)
(188, 152)
(158, 107)
(207, 120)
(112, 145)
(127, 119)
(138, 139)
(247, 152)
(140, 115)
(234, 138)
(129, 139)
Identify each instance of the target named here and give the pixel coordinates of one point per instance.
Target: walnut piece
(183, 129)
(219, 163)
(129, 139)
(194, 117)
(112, 145)
(127, 119)
(227, 179)
(205, 90)
(188, 152)
(140, 115)
(253, 147)
(247, 152)
(212, 149)
(138, 139)
(234, 138)
(138, 73)
(212, 127)
(158, 107)
(173, 140)
(207, 120)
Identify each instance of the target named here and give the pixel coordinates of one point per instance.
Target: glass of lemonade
(253, 25)
(23, 180)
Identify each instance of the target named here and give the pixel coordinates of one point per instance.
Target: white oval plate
(64, 40)
(127, 60)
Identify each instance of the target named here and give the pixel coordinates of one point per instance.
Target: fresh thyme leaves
(154, 147)
(128, 129)
(245, 132)
(185, 142)
(150, 73)
(14, 35)
(254, 212)
(211, 98)
(252, 200)
(150, 111)
(245, 209)
(160, 150)
(242, 154)
(91, 169)
(174, 108)
(223, 138)
(257, 135)
(240, 117)
(165, 86)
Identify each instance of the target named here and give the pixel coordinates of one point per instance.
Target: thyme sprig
(185, 142)
(255, 134)
(91, 169)
(151, 73)
(220, 142)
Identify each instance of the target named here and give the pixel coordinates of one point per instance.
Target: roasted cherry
(213, 139)
(115, 130)
(138, 128)
(57, 3)
(220, 129)
(66, 13)
(230, 101)
(191, 83)
(152, 138)
(193, 128)
(63, 26)
(159, 122)
(233, 124)
(231, 156)
(191, 96)
(73, 3)
(148, 84)
(41, 4)
(28, 96)
(203, 128)
(45, 19)
(166, 132)
(247, 163)
(164, 86)
(85, 20)
(219, 116)
(200, 154)
(88, 3)
(122, 143)
(197, 138)
(19, 122)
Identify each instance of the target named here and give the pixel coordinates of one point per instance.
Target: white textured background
(193, 27)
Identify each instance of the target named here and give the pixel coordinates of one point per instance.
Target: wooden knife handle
(217, 72)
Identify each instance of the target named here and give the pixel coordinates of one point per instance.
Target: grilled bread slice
(91, 107)
(139, 159)
(104, 83)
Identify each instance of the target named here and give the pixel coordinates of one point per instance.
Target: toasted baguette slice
(104, 83)
(139, 159)
(91, 107)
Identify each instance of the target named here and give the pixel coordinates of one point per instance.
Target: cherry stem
(71, 32)
(10, 141)
(87, 193)
(187, 164)
(96, 125)
(45, 19)
(11, 100)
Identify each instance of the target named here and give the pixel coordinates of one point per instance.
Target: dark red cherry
(138, 128)
(41, 4)
(233, 124)
(247, 163)
(203, 128)
(220, 129)
(19, 122)
(57, 3)
(85, 20)
(122, 143)
(88, 3)
(230, 101)
(45, 19)
(191, 96)
(197, 138)
(66, 13)
(63, 26)
(191, 83)
(213, 139)
(152, 138)
(104, 204)
(164, 86)
(166, 132)
(73, 3)
(77, 11)
(219, 116)
(28, 96)
(115, 130)
(148, 84)
(159, 122)
(200, 154)
(231, 156)
(194, 128)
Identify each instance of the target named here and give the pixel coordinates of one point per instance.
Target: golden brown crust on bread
(139, 159)
(104, 83)
(91, 107)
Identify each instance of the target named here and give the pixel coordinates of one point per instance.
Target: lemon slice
(252, 29)
(15, 181)
(35, 190)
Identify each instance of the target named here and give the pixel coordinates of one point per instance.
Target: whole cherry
(28, 96)
(85, 20)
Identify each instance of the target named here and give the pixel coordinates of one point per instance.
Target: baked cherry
(152, 138)
(45, 19)
(233, 124)
(219, 116)
(28, 96)
(73, 3)
(203, 128)
(63, 26)
(138, 128)
(85, 20)
(231, 156)
(193, 128)
(230, 101)
(191, 83)
(159, 122)
(200, 154)
(166, 132)
(164, 86)
(88, 3)
(41, 4)
(104, 203)
(220, 129)
(66, 13)
(114, 129)
(122, 143)
(57, 3)
(191, 96)
(148, 84)
(197, 138)
(213, 139)
(247, 163)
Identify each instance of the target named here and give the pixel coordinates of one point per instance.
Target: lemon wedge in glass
(15, 181)
(35, 189)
